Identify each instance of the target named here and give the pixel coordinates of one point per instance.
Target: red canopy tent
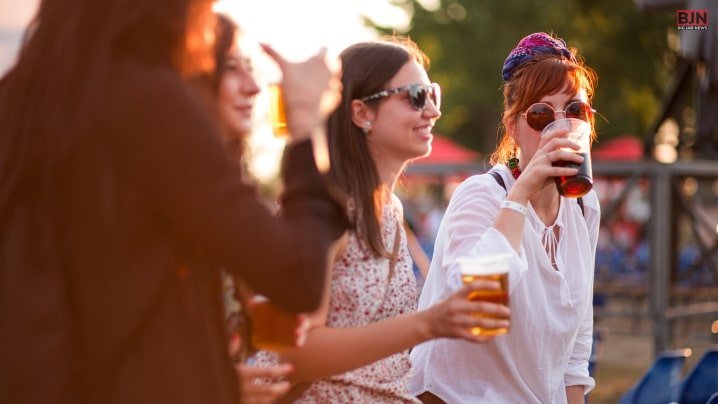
(446, 151)
(626, 148)
(448, 161)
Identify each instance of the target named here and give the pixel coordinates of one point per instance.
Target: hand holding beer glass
(578, 131)
(493, 268)
(308, 93)
(471, 312)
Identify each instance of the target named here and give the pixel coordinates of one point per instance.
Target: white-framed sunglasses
(418, 94)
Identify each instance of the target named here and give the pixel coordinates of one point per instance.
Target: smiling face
(529, 138)
(235, 94)
(400, 132)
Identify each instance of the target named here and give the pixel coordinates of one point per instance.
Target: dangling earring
(513, 163)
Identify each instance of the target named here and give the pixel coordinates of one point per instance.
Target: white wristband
(515, 206)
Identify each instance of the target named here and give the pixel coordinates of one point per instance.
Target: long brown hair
(367, 69)
(546, 74)
(58, 88)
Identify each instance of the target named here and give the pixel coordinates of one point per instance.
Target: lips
(424, 131)
(244, 109)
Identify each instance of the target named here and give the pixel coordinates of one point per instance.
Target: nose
(250, 86)
(430, 110)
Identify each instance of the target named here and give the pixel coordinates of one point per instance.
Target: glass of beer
(580, 132)
(488, 267)
(277, 112)
(271, 328)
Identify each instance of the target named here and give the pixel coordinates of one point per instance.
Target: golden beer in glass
(277, 112)
(272, 329)
(489, 267)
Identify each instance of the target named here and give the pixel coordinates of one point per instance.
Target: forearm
(345, 349)
(574, 395)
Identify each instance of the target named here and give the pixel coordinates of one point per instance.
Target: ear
(362, 115)
(510, 125)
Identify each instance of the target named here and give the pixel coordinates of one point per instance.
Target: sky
(295, 28)
(14, 15)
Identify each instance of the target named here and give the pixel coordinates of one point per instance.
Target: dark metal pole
(661, 259)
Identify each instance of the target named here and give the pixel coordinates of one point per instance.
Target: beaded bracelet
(516, 207)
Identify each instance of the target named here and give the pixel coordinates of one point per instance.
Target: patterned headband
(539, 43)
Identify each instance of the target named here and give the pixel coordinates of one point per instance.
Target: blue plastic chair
(713, 399)
(702, 381)
(662, 382)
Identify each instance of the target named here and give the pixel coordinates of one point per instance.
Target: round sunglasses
(541, 114)
(418, 94)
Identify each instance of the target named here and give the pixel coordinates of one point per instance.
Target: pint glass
(272, 328)
(580, 132)
(277, 112)
(489, 267)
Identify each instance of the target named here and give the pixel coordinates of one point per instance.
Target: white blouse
(549, 342)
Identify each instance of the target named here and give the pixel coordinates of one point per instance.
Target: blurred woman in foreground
(117, 208)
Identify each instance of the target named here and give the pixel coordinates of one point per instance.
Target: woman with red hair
(516, 209)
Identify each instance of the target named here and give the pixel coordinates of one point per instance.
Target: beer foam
(484, 265)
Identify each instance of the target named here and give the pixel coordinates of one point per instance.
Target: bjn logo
(692, 19)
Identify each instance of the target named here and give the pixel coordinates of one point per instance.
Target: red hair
(543, 75)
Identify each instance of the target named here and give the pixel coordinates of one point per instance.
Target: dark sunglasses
(541, 114)
(418, 94)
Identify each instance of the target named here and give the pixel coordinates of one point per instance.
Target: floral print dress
(362, 293)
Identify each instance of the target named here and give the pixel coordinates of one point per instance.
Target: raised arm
(188, 182)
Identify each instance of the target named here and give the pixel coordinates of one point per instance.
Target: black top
(152, 207)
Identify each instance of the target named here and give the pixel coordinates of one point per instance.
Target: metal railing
(665, 201)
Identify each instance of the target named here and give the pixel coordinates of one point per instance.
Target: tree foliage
(468, 40)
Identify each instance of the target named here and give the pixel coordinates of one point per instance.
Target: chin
(241, 129)
(421, 152)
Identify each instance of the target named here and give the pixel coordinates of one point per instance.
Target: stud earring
(367, 127)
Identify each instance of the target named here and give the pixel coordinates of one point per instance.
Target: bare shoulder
(397, 205)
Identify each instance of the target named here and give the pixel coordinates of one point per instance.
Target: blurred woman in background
(230, 91)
